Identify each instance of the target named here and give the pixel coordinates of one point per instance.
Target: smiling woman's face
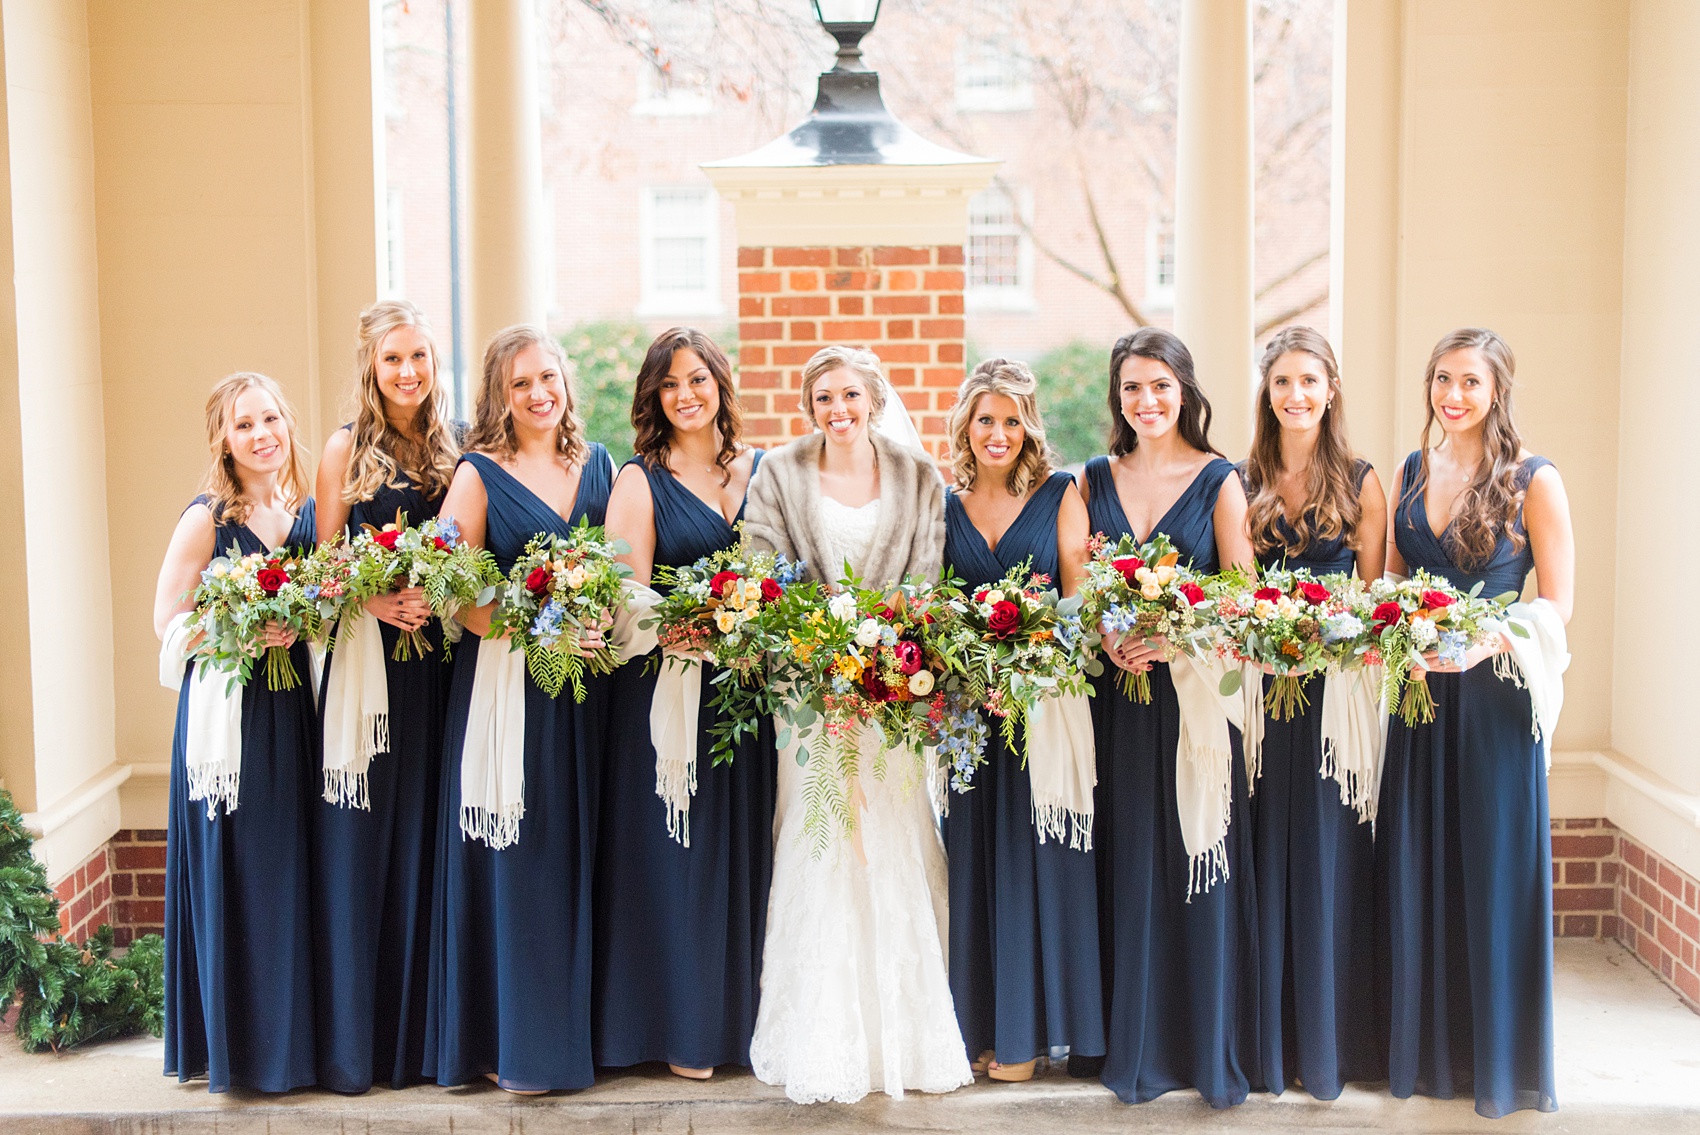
(689, 395)
(537, 390)
(1150, 397)
(840, 405)
(257, 434)
(1462, 392)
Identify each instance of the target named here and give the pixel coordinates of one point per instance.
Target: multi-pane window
(1160, 262)
(679, 230)
(993, 72)
(999, 253)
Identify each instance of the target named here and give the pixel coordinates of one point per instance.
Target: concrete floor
(1628, 1057)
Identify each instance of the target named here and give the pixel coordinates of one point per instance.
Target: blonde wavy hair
(1015, 381)
(223, 488)
(863, 363)
(383, 454)
(493, 427)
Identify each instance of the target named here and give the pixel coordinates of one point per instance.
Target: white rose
(994, 596)
(868, 634)
(842, 606)
(921, 683)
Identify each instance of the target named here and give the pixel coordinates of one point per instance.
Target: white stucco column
(504, 170)
(1215, 311)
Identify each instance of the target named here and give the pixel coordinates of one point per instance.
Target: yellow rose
(220, 570)
(725, 620)
(1152, 590)
(734, 597)
(575, 577)
(1165, 574)
(1146, 577)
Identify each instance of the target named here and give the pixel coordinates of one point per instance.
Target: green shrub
(608, 354)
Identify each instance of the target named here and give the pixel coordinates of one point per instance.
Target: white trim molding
(79, 823)
(1647, 807)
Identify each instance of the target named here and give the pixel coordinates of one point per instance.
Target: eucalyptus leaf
(1517, 629)
(1230, 684)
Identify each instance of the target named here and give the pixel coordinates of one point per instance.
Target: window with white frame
(993, 72)
(679, 230)
(1000, 251)
(395, 244)
(1160, 262)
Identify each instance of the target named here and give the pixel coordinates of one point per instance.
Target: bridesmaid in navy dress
(1180, 976)
(510, 938)
(1463, 851)
(238, 941)
(679, 924)
(372, 866)
(1024, 968)
(1311, 504)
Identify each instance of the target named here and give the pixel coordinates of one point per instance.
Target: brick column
(904, 303)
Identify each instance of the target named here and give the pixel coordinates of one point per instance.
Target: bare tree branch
(1315, 299)
(1290, 273)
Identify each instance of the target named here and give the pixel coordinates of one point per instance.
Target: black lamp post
(847, 21)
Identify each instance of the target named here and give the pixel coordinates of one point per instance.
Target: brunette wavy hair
(653, 431)
(222, 486)
(1015, 381)
(382, 453)
(1166, 348)
(1331, 509)
(1491, 501)
(493, 428)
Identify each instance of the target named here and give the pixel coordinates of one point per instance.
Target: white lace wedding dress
(854, 995)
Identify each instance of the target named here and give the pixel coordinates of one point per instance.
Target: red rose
(272, 579)
(770, 590)
(538, 581)
(1435, 600)
(387, 538)
(720, 580)
(442, 544)
(1386, 615)
(1128, 565)
(874, 686)
(908, 656)
(1194, 593)
(1269, 593)
(980, 595)
(1314, 592)
(1004, 619)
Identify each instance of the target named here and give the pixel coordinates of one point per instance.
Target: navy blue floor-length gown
(238, 924)
(1464, 866)
(1024, 966)
(679, 930)
(1180, 978)
(510, 936)
(372, 868)
(1315, 892)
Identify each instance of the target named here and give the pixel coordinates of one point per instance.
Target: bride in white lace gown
(854, 995)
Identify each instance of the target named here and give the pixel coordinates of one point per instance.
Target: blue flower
(1453, 644)
(449, 530)
(311, 591)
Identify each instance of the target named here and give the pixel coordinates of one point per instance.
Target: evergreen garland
(67, 994)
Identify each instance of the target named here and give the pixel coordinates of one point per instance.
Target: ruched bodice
(302, 533)
(516, 514)
(1504, 571)
(1190, 523)
(1031, 535)
(1320, 557)
(687, 528)
(380, 508)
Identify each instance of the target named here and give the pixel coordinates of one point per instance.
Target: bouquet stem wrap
(357, 710)
(492, 758)
(1204, 767)
(673, 731)
(1062, 768)
(212, 739)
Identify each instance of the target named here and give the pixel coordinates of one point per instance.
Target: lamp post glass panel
(847, 21)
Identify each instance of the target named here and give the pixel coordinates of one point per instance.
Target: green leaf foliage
(67, 994)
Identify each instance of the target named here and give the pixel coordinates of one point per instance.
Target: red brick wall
(85, 896)
(904, 304)
(1659, 918)
(1606, 885)
(138, 883)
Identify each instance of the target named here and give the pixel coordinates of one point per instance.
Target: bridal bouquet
(721, 609)
(1411, 617)
(238, 595)
(864, 656)
(1011, 643)
(560, 586)
(1145, 591)
(432, 556)
(1294, 624)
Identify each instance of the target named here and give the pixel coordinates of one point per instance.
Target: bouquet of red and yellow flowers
(1294, 625)
(559, 588)
(238, 597)
(1407, 619)
(1145, 591)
